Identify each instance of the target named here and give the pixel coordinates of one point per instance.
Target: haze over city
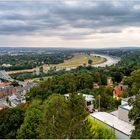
(69, 23)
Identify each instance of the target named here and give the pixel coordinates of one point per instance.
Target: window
(88, 103)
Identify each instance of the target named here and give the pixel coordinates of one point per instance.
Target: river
(110, 60)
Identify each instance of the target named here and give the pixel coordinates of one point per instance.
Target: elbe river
(110, 60)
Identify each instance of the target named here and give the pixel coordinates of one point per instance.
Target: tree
(77, 109)
(85, 131)
(90, 61)
(56, 118)
(10, 121)
(67, 115)
(106, 98)
(41, 69)
(118, 76)
(14, 83)
(134, 114)
(133, 82)
(32, 119)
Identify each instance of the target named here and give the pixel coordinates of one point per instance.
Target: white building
(15, 100)
(121, 128)
(118, 120)
(124, 108)
(6, 65)
(88, 101)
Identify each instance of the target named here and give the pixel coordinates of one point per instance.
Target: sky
(69, 23)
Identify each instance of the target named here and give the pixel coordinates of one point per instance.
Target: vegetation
(47, 110)
(33, 116)
(100, 130)
(81, 83)
(134, 82)
(29, 60)
(41, 119)
(134, 114)
(134, 89)
(10, 121)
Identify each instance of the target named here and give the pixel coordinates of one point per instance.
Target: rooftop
(114, 122)
(86, 96)
(126, 99)
(119, 88)
(127, 107)
(5, 87)
(4, 84)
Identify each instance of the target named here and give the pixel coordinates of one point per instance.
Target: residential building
(118, 120)
(124, 108)
(6, 65)
(117, 91)
(88, 101)
(95, 85)
(15, 100)
(109, 81)
(6, 91)
(121, 128)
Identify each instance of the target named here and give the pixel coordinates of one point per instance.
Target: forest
(29, 60)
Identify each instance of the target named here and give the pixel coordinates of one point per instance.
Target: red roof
(3, 84)
(118, 89)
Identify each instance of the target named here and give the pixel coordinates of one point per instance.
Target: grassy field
(77, 60)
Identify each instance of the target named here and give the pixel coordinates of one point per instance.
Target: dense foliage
(134, 115)
(10, 121)
(134, 82)
(29, 60)
(134, 89)
(52, 118)
(81, 83)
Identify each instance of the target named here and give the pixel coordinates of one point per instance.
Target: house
(117, 91)
(121, 128)
(124, 109)
(6, 65)
(118, 120)
(88, 101)
(23, 89)
(15, 100)
(124, 101)
(18, 96)
(95, 85)
(6, 90)
(109, 81)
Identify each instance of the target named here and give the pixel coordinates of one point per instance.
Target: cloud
(67, 19)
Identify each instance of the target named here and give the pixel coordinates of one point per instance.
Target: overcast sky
(69, 23)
